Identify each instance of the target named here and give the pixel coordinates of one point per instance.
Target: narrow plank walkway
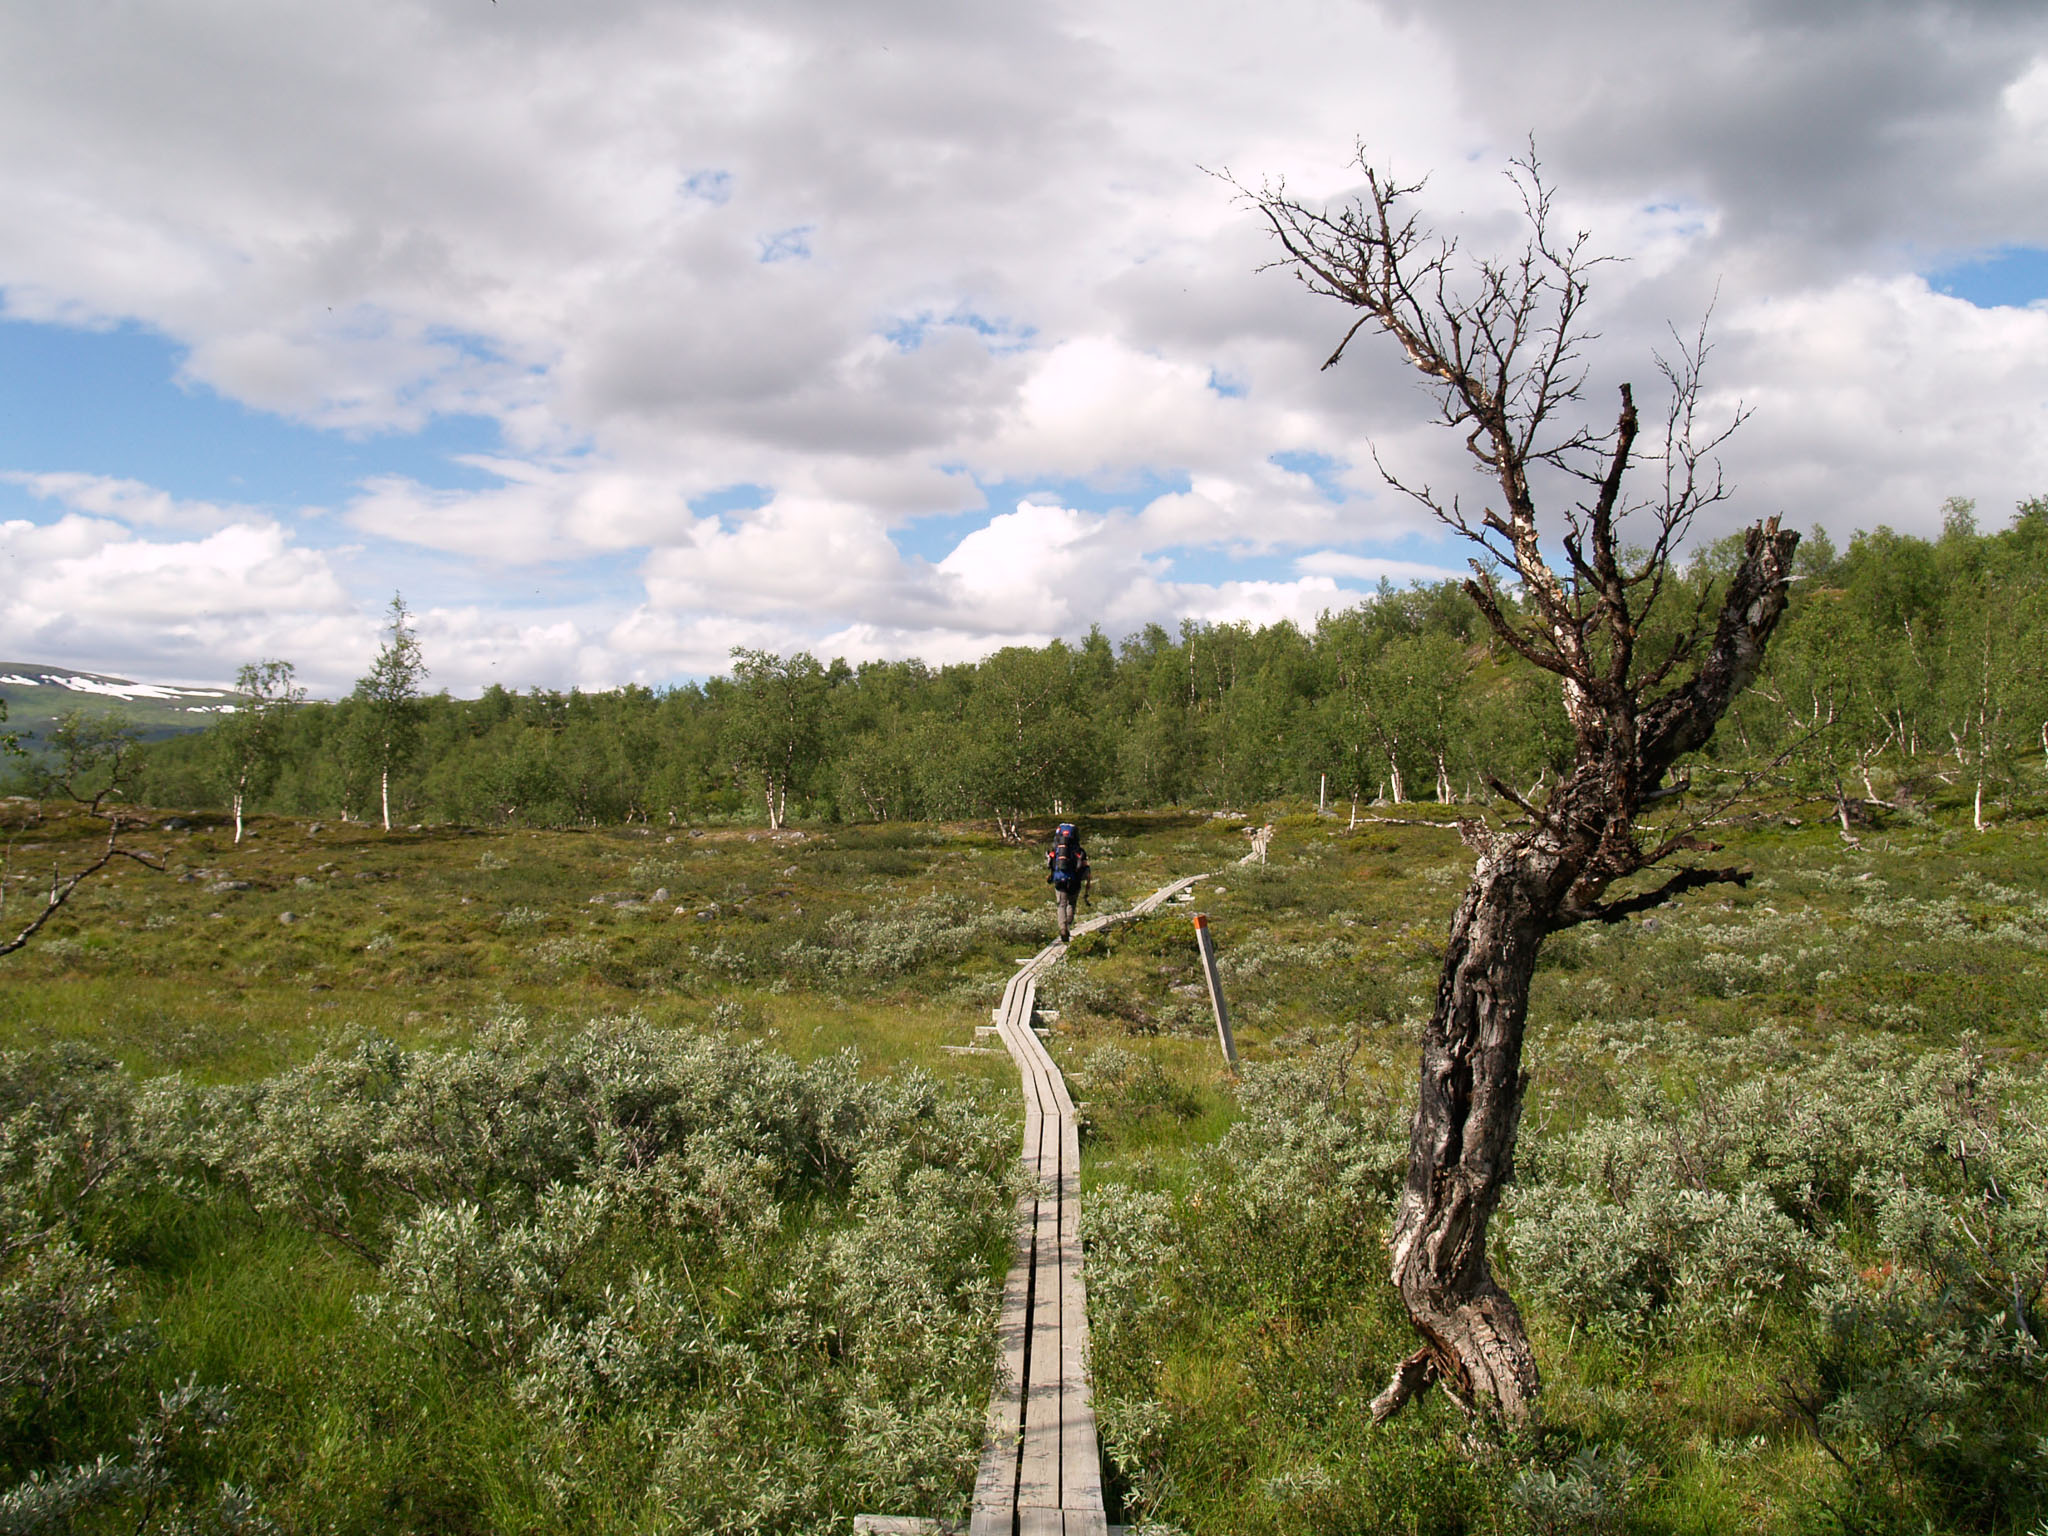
(1041, 1469)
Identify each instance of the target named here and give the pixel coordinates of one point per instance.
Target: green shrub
(606, 1261)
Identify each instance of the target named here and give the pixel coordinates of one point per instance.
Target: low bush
(608, 1262)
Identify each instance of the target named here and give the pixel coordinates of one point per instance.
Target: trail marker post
(1208, 948)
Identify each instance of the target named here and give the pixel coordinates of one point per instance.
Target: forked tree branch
(61, 890)
(1690, 878)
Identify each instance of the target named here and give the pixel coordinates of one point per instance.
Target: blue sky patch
(713, 187)
(108, 403)
(1319, 467)
(909, 332)
(793, 244)
(2013, 277)
(933, 538)
(1224, 385)
(741, 497)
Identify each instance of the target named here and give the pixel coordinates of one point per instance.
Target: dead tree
(94, 761)
(1502, 343)
(62, 886)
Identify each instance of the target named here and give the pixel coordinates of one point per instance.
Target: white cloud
(126, 501)
(88, 588)
(1013, 269)
(1328, 562)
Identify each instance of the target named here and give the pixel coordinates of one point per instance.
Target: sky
(617, 334)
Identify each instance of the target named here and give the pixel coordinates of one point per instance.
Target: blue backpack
(1063, 864)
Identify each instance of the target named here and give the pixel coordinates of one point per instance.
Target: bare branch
(61, 892)
(1690, 878)
(1507, 793)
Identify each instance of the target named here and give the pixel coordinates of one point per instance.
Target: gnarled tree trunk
(1528, 885)
(1501, 341)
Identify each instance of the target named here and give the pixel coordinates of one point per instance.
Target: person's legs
(1066, 906)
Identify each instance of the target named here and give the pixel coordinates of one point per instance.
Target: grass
(1235, 1356)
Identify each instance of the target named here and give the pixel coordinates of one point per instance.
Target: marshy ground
(1765, 1287)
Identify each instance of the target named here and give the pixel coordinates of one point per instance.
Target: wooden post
(1208, 948)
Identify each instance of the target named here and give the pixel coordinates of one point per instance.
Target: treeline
(1904, 663)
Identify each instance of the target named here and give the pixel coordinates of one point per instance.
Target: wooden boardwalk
(1041, 1468)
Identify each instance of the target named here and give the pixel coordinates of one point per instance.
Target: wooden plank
(1038, 1470)
(1040, 1522)
(1081, 1453)
(996, 1486)
(1080, 1462)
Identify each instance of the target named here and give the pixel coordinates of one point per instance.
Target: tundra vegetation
(461, 1200)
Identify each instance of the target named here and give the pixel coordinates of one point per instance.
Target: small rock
(287, 917)
(175, 823)
(704, 914)
(216, 914)
(318, 826)
(788, 871)
(660, 894)
(230, 885)
(305, 882)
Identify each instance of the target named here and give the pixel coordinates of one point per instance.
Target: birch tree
(247, 742)
(773, 733)
(389, 699)
(1500, 342)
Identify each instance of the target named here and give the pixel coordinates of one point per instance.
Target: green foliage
(384, 728)
(480, 1274)
(89, 756)
(1903, 672)
(664, 1275)
(248, 742)
(772, 729)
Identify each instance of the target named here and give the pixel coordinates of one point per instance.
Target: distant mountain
(37, 695)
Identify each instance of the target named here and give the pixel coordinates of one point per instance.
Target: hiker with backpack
(1066, 870)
